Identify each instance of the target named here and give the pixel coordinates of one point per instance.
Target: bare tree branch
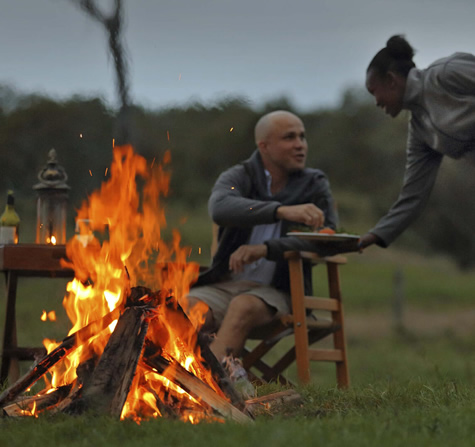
(113, 25)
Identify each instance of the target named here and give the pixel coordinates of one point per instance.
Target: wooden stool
(305, 328)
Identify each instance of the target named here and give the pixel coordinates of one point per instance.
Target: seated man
(255, 204)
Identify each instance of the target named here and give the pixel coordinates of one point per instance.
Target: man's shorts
(218, 296)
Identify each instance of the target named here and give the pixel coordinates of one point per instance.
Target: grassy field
(412, 372)
(404, 393)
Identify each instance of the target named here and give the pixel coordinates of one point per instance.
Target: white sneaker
(238, 376)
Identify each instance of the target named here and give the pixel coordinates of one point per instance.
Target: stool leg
(10, 368)
(297, 293)
(342, 374)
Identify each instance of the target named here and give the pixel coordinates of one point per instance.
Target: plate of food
(324, 235)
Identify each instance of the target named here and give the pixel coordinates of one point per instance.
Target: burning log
(32, 404)
(103, 386)
(220, 375)
(110, 383)
(203, 341)
(84, 373)
(194, 386)
(68, 345)
(176, 312)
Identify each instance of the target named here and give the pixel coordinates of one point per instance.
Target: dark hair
(396, 56)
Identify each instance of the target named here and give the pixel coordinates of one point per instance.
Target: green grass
(406, 388)
(384, 413)
(368, 281)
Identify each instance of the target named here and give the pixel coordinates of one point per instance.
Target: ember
(132, 351)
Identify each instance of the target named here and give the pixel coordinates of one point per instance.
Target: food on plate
(326, 230)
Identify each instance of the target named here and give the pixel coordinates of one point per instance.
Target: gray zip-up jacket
(441, 99)
(239, 201)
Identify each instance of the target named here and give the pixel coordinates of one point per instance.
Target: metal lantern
(52, 202)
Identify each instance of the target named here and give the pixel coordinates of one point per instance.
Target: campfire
(132, 351)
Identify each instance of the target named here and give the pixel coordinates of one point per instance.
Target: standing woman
(441, 99)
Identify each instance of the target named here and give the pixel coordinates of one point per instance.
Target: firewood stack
(133, 358)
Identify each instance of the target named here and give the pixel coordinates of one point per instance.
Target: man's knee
(250, 309)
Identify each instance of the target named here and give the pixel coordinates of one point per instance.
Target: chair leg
(297, 293)
(339, 340)
(249, 357)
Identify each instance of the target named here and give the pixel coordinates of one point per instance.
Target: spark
(105, 173)
(153, 162)
(230, 130)
(90, 172)
(80, 135)
(168, 135)
(51, 315)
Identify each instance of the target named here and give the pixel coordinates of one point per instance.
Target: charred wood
(219, 374)
(67, 345)
(272, 403)
(28, 405)
(111, 380)
(173, 371)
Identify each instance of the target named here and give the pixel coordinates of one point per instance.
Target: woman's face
(388, 90)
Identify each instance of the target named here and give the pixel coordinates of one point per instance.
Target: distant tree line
(361, 150)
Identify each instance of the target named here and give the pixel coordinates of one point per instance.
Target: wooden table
(24, 260)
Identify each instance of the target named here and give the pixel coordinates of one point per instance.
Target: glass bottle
(9, 222)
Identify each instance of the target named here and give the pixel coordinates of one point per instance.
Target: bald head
(269, 122)
(280, 139)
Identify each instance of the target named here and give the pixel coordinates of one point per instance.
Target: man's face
(285, 147)
(388, 91)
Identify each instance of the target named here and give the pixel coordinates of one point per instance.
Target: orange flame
(28, 412)
(119, 245)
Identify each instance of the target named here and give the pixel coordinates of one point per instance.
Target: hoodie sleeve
(421, 171)
(229, 205)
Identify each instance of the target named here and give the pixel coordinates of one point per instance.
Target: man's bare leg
(244, 313)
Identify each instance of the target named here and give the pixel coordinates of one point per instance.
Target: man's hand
(246, 254)
(307, 214)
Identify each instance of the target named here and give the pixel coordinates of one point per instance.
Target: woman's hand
(368, 239)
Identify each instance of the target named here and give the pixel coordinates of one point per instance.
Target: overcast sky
(182, 50)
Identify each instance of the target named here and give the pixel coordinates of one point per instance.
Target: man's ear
(262, 146)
